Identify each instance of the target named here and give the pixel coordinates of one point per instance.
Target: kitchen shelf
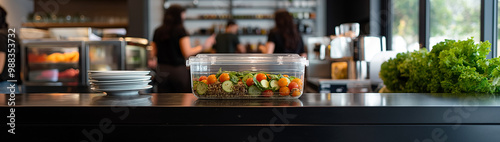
(88, 24)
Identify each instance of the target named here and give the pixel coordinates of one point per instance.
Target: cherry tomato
(267, 93)
(296, 92)
(249, 81)
(224, 77)
(298, 81)
(293, 85)
(211, 79)
(283, 82)
(285, 75)
(261, 76)
(204, 81)
(203, 78)
(284, 91)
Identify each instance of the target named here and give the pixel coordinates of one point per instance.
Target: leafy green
(257, 83)
(451, 67)
(233, 77)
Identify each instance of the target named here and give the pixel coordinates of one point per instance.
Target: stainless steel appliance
(136, 54)
(105, 55)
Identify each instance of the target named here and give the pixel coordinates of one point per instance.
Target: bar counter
(401, 117)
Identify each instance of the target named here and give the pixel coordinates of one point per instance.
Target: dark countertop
(307, 100)
(313, 117)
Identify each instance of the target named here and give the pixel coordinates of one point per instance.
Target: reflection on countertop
(307, 100)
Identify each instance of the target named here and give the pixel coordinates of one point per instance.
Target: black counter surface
(411, 117)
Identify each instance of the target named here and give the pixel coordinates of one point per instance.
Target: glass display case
(55, 63)
(65, 64)
(136, 53)
(105, 55)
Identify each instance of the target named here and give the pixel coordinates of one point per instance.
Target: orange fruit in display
(298, 81)
(202, 78)
(204, 81)
(211, 79)
(283, 82)
(224, 77)
(293, 85)
(296, 92)
(260, 77)
(55, 57)
(284, 91)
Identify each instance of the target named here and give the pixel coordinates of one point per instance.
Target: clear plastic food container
(247, 76)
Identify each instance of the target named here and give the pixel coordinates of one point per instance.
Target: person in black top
(9, 49)
(228, 42)
(284, 37)
(171, 46)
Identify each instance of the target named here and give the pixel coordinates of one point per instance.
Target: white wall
(17, 11)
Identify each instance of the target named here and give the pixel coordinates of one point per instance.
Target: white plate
(107, 78)
(121, 89)
(121, 82)
(117, 73)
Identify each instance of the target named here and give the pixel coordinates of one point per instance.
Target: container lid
(247, 59)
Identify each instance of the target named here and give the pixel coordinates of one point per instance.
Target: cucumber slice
(254, 91)
(274, 85)
(201, 88)
(264, 83)
(227, 86)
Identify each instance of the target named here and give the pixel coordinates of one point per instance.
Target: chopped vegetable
(264, 83)
(283, 82)
(202, 78)
(293, 85)
(284, 91)
(201, 88)
(211, 79)
(296, 92)
(260, 77)
(267, 93)
(254, 91)
(249, 82)
(298, 81)
(233, 78)
(274, 85)
(224, 77)
(227, 86)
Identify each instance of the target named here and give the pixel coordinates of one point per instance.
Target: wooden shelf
(88, 24)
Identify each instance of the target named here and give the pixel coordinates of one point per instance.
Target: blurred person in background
(5, 50)
(229, 41)
(171, 47)
(284, 37)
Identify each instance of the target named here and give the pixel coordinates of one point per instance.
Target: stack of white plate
(119, 82)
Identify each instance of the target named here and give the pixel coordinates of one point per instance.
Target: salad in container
(247, 76)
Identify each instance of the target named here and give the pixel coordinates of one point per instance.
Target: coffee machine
(351, 53)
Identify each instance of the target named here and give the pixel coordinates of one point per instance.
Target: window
(405, 25)
(498, 30)
(454, 19)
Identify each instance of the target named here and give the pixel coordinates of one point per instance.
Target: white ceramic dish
(118, 73)
(120, 87)
(108, 78)
(128, 88)
(120, 82)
